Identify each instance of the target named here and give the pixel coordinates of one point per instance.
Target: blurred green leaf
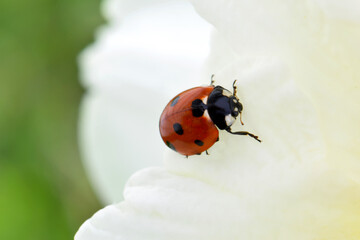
(44, 193)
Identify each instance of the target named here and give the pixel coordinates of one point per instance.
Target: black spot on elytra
(198, 108)
(174, 102)
(178, 128)
(170, 145)
(199, 142)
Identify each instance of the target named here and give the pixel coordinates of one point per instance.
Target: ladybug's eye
(240, 106)
(236, 106)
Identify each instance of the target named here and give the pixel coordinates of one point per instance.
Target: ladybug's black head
(223, 107)
(235, 106)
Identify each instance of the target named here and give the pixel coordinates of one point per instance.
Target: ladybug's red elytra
(190, 121)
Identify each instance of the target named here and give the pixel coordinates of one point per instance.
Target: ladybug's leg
(206, 152)
(212, 80)
(244, 133)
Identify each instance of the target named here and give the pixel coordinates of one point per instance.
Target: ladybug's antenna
(234, 93)
(241, 119)
(234, 88)
(212, 80)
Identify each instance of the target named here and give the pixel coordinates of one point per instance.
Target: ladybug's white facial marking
(204, 99)
(206, 113)
(229, 120)
(226, 93)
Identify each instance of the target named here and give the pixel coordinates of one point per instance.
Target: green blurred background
(44, 193)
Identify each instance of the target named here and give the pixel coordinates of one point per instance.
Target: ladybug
(190, 121)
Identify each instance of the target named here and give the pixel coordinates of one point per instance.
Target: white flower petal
(275, 111)
(319, 40)
(277, 189)
(342, 10)
(160, 205)
(138, 62)
(294, 68)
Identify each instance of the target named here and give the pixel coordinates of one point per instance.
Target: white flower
(147, 52)
(298, 70)
(318, 40)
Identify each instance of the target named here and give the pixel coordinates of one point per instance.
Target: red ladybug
(190, 121)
